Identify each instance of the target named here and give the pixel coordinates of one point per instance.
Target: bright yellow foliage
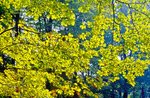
(38, 61)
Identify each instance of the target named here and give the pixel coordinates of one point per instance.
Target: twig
(132, 18)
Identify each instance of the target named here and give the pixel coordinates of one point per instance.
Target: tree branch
(131, 3)
(7, 30)
(134, 8)
(113, 7)
(15, 44)
(132, 18)
(5, 84)
(30, 31)
(140, 12)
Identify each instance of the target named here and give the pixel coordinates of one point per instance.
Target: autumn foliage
(45, 65)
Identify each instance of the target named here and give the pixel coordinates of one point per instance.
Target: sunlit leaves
(55, 58)
(1, 60)
(83, 26)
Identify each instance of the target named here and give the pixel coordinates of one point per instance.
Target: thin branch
(5, 84)
(7, 30)
(140, 12)
(131, 3)
(132, 18)
(121, 24)
(15, 44)
(134, 8)
(30, 31)
(113, 7)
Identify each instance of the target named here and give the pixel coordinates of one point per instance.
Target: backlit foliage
(48, 57)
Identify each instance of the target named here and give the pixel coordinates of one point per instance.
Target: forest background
(74, 48)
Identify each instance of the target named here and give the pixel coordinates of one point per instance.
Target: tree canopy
(37, 64)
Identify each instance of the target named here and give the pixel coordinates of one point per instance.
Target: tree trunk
(62, 1)
(142, 93)
(17, 17)
(125, 95)
(40, 24)
(83, 76)
(48, 25)
(133, 92)
(113, 93)
(119, 93)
